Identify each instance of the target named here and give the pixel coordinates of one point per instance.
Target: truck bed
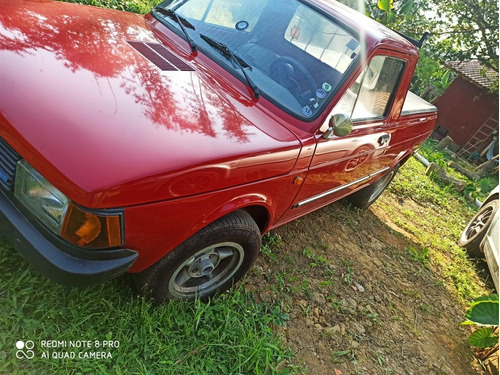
(414, 104)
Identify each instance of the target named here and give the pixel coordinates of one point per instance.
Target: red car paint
(179, 150)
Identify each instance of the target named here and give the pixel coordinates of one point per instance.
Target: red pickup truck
(165, 145)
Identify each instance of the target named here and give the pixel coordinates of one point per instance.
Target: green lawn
(229, 336)
(442, 214)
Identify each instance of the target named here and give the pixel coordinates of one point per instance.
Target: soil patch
(359, 303)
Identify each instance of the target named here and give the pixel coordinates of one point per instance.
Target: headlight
(47, 203)
(95, 230)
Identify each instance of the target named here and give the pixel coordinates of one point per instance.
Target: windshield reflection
(294, 54)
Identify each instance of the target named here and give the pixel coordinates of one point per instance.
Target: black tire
(476, 229)
(365, 197)
(207, 263)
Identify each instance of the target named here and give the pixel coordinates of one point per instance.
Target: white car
(480, 236)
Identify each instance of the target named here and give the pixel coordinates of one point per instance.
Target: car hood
(108, 126)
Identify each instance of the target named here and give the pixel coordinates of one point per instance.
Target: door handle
(384, 140)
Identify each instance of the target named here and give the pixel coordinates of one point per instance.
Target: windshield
(292, 54)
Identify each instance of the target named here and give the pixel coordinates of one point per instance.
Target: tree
(460, 30)
(468, 29)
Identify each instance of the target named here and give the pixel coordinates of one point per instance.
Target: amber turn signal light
(91, 230)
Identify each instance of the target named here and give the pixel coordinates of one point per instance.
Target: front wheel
(365, 197)
(209, 262)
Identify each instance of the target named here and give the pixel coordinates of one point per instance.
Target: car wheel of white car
(209, 262)
(476, 229)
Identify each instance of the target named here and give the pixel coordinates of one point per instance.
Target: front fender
(155, 229)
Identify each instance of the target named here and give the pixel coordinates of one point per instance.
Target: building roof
(475, 72)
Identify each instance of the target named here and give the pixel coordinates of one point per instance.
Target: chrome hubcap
(206, 271)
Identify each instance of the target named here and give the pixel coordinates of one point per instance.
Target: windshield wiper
(181, 21)
(231, 56)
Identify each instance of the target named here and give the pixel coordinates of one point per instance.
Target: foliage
(441, 216)
(419, 256)
(460, 30)
(478, 189)
(431, 77)
(483, 311)
(136, 6)
(468, 28)
(465, 30)
(483, 338)
(387, 12)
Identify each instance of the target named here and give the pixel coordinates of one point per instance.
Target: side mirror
(339, 125)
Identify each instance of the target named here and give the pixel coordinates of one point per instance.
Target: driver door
(343, 164)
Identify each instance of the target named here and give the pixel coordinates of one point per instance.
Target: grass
(439, 216)
(232, 335)
(476, 189)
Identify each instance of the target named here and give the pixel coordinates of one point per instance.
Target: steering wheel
(293, 75)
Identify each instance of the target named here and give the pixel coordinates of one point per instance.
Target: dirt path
(358, 302)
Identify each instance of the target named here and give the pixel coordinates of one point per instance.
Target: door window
(371, 95)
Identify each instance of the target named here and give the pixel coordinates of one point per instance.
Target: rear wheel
(476, 229)
(365, 197)
(209, 262)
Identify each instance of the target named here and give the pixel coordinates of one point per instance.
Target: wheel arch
(494, 195)
(260, 215)
(258, 206)
(165, 235)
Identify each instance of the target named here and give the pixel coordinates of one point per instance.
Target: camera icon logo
(25, 349)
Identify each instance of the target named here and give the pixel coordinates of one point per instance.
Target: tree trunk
(438, 172)
(464, 171)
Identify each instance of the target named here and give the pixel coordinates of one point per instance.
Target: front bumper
(57, 259)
